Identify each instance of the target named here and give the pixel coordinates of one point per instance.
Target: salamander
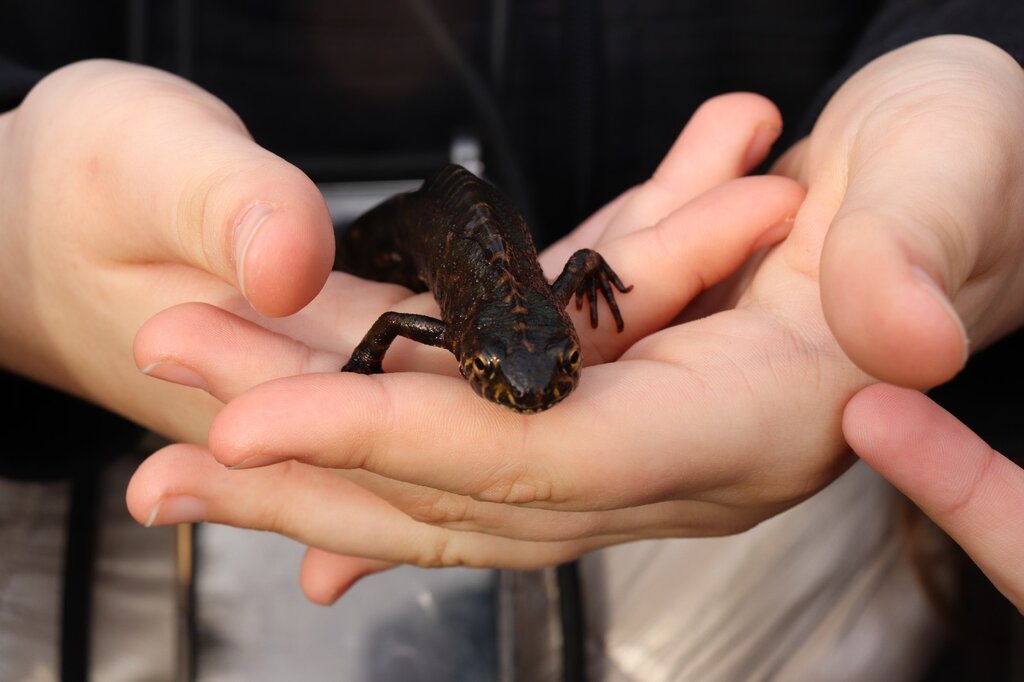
(459, 237)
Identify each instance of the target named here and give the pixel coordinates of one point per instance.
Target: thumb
(178, 169)
(925, 242)
(904, 240)
(884, 283)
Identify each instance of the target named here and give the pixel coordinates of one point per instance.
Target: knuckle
(439, 508)
(516, 484)
(971, 489)
(274, 513)
(438, 554)
(199, 216)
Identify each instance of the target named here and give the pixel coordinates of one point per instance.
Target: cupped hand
(126, 190)
(699, 428)
(654, 444)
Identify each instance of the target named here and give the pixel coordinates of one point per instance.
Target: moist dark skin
(460, 238)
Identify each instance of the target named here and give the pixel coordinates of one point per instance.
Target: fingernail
(776, 233)
(940, 295)
(179, 509)
(176, 373)
(248, 226)
(764, 138)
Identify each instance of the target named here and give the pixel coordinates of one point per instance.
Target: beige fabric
(824, 591)
(31, 564)
(134, 609)
(135, 600)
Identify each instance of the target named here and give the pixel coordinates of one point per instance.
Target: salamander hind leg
(584, 273)
(368, 356)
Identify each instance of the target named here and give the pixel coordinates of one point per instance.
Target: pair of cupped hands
(776, 321)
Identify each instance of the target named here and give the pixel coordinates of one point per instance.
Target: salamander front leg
(369, 354)
(585, 271)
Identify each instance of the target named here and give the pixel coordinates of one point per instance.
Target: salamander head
(525, 378)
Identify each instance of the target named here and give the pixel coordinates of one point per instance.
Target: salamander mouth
(530, 403)
(524, 409)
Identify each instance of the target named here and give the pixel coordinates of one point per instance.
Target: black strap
(80, 550)
(570, 605)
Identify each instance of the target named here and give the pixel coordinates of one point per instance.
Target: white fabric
(133, 605)
(31, 563)
(824, 591)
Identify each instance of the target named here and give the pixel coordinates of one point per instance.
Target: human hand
(918, 164)
(698, 242)
(926, 165)
(126, 190)
(970, 490)
(924, 248)
(761, 386)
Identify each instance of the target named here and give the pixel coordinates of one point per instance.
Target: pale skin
(121, 189)
(724, 421)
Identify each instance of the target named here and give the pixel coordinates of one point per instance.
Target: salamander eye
(483, 366)
(571, 362)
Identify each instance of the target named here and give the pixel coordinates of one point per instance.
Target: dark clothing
(573, 101)
(585, 97)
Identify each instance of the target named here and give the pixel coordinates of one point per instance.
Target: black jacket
(573, 100)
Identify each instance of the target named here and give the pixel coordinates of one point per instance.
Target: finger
(903, 257)
(695, 247)
(683, 518)
(226, 353)
(554, 459)
(884, 285)
(182, 483)
(231, 354)
(240, 213)
(326, 577)
(971, 491)
(726, 137)
(194, 186)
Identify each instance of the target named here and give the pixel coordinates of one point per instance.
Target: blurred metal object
(530, 640)
(185, 602)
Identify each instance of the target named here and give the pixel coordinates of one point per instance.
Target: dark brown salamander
(460, 238)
